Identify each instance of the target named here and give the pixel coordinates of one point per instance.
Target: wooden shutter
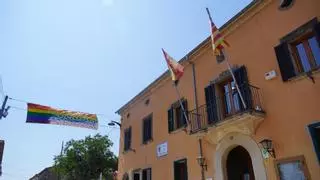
(145, 129)
(243, 83)
(170, 119)
(317, 31)
(183, 120)
(285, 61)
(212, 111)
(129, 138)
(126, 138)
(150, 128)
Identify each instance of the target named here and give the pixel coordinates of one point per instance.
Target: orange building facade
(273, 134)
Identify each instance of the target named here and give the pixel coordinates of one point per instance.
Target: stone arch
(229, 142)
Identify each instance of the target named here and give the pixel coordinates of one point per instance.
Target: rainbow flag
(47, 115)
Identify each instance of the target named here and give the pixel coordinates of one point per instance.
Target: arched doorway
(239, 164)
(230, 142)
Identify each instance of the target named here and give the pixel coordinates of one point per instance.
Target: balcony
(226, 113)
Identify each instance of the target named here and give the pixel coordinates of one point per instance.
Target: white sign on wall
(162, 149)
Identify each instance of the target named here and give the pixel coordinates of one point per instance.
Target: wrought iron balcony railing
(226, 106)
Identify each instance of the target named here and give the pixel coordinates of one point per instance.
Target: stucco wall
(290, 106)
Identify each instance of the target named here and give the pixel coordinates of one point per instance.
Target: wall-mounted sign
(162, 149)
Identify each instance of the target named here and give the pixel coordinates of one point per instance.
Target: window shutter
(284, 61)
(150, 128)
(144, 134)
(126, 139)
(210, 95)
(170, 119)
(317, 31)
(129, 138)
(185, 106)
(243, 83)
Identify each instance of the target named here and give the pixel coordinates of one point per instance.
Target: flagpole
(227, 61)
(226, 57)
(181, 105)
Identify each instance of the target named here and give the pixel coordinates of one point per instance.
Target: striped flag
(218, 42)
(175, 68)
(47, 115)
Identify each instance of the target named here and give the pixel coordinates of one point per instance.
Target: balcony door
(231, 98)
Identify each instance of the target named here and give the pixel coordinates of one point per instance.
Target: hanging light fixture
(268, 146)
(202, 162)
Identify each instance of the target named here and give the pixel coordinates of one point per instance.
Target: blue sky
(87, 55)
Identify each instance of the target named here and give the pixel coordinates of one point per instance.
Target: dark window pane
(180, 170)
(303, 57)
(315, 49)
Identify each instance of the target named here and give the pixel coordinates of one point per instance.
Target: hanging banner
(47, 115)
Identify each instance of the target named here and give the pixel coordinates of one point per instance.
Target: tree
(86, 159)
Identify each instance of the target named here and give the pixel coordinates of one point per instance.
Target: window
(231, 97)
(136, 175)
(299, 51)
(181, 170)
(223, 99)
(314, 130)
(176, 116)
(146, 174)
(147, 129)
(127, 139)
(306, 53)
(292, 168)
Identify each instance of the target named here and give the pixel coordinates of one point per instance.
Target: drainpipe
(195, 92)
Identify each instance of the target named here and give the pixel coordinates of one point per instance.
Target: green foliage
(86, 159)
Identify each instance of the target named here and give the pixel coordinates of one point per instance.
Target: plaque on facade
(162, 149)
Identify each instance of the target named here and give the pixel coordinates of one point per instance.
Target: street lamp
(268, 146)
(202, 162)
(113, 123)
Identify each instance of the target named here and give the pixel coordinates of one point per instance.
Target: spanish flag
(175, 68)
(218, 42)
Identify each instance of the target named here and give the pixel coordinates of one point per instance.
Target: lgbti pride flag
(47, 115)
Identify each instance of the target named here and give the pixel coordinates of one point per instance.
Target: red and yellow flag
(218, 42)
(175, 68)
